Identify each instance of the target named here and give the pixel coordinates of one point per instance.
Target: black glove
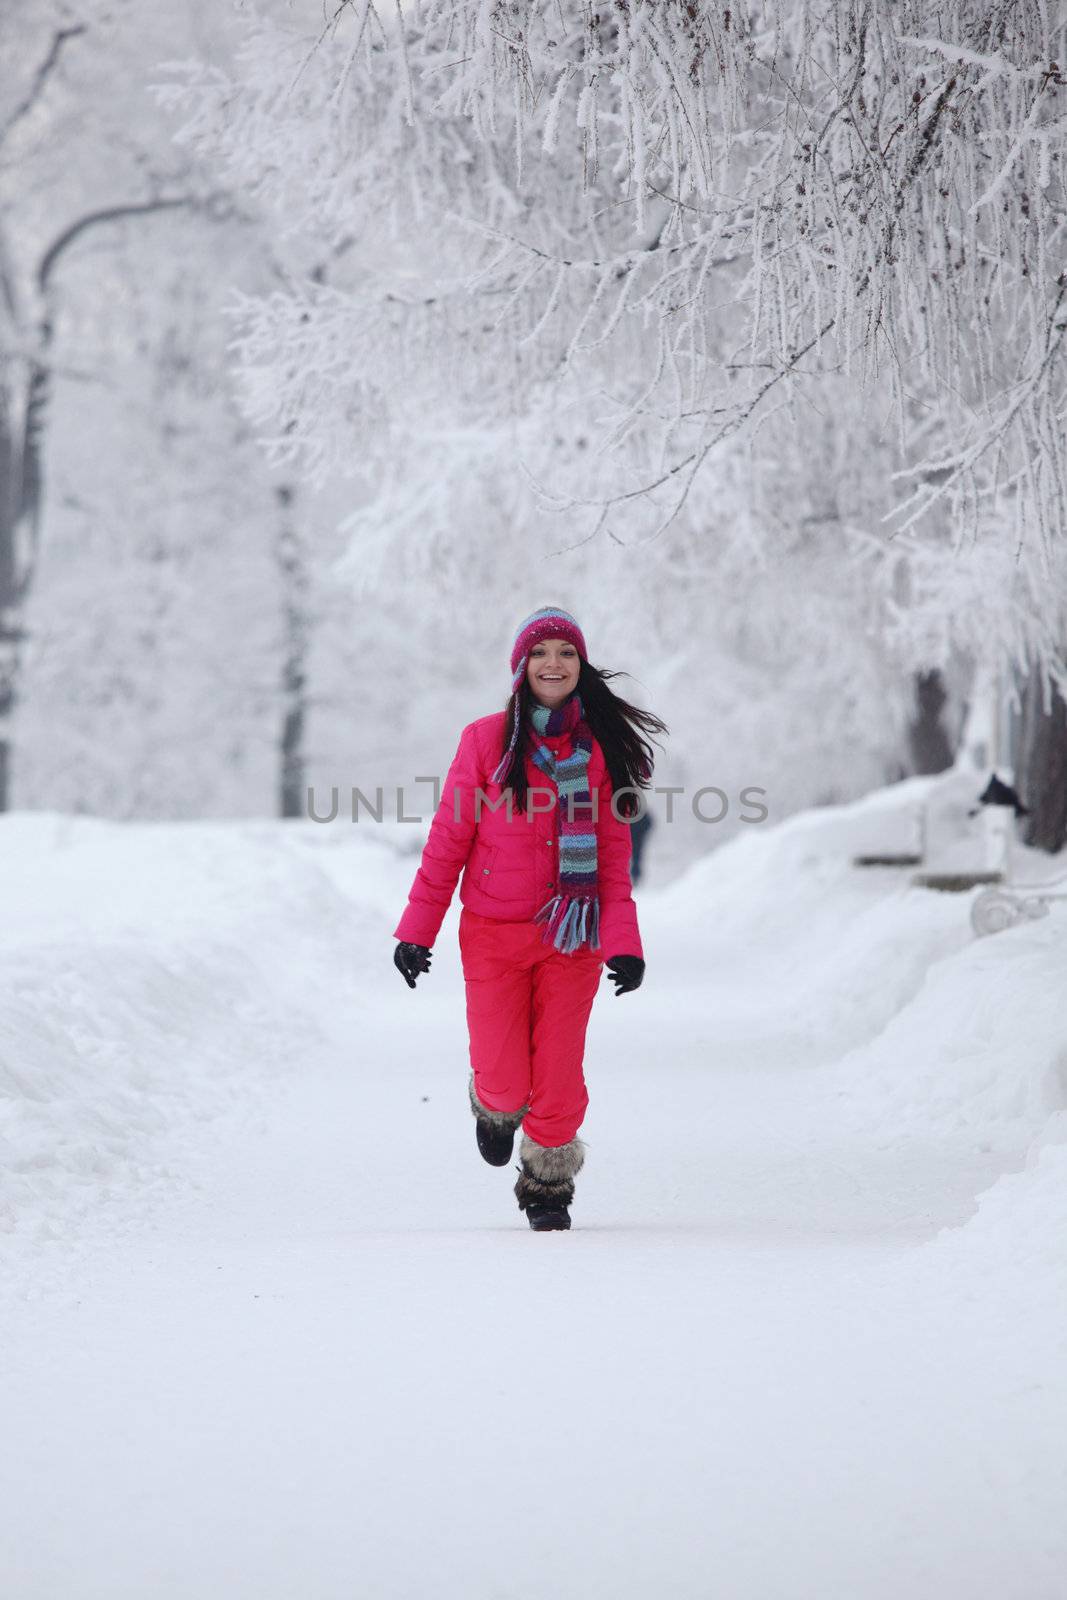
(625, 972)
(410, 960)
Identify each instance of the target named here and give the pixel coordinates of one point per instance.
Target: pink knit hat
(551, 622)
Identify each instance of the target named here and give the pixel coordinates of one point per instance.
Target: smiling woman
(552, 671)
(546, 889)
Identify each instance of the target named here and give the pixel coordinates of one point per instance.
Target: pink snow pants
(527, 1010)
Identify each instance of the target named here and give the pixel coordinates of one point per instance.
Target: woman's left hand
(625, 972)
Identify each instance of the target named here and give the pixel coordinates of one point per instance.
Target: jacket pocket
(482, 864)
(498, 875)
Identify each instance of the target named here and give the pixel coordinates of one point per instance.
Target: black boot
(495, 1142)
(545, 1218)
(545, 1189)
(495, 1130)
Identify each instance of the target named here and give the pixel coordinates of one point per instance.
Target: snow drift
(154, 978)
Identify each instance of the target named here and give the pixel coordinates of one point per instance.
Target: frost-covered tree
(145, 622)
(585, 260)
(58, 195)
(676, 217)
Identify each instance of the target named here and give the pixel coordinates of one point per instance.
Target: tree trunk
(292, 564)
(22, 423)
(927, 740)
(20, 420)
(1041, 767)
(9, 615)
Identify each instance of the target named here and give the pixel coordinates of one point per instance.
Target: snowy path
(341, 1366)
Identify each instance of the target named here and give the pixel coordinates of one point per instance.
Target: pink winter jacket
(510, 866)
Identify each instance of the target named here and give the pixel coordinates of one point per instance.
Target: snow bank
(151, 978)
(933, 1030)
(931, 1034)
(981, 1049)
(1021, 1222)
(792, 927)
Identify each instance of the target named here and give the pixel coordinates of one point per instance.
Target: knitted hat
(551, 622)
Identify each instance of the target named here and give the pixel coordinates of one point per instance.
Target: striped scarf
(572, 917)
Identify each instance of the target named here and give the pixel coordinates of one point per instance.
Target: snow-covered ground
(272, 1329)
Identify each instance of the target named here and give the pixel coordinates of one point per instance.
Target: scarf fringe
(571, 922)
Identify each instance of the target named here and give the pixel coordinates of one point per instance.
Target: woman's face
(552, 671)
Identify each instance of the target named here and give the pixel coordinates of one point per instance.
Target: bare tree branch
(95, 219)
(41, 77)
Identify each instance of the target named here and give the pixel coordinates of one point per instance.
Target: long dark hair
(615, 724)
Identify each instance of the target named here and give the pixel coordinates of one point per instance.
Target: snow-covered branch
(660, 213)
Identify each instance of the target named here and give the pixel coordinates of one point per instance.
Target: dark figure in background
(931, 750)
(640, 828)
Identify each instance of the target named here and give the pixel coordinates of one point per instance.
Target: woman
(526, 815)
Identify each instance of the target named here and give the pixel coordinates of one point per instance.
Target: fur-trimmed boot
(495, 1130)
(546, 1182)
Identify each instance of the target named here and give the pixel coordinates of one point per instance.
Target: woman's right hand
(410, 960)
